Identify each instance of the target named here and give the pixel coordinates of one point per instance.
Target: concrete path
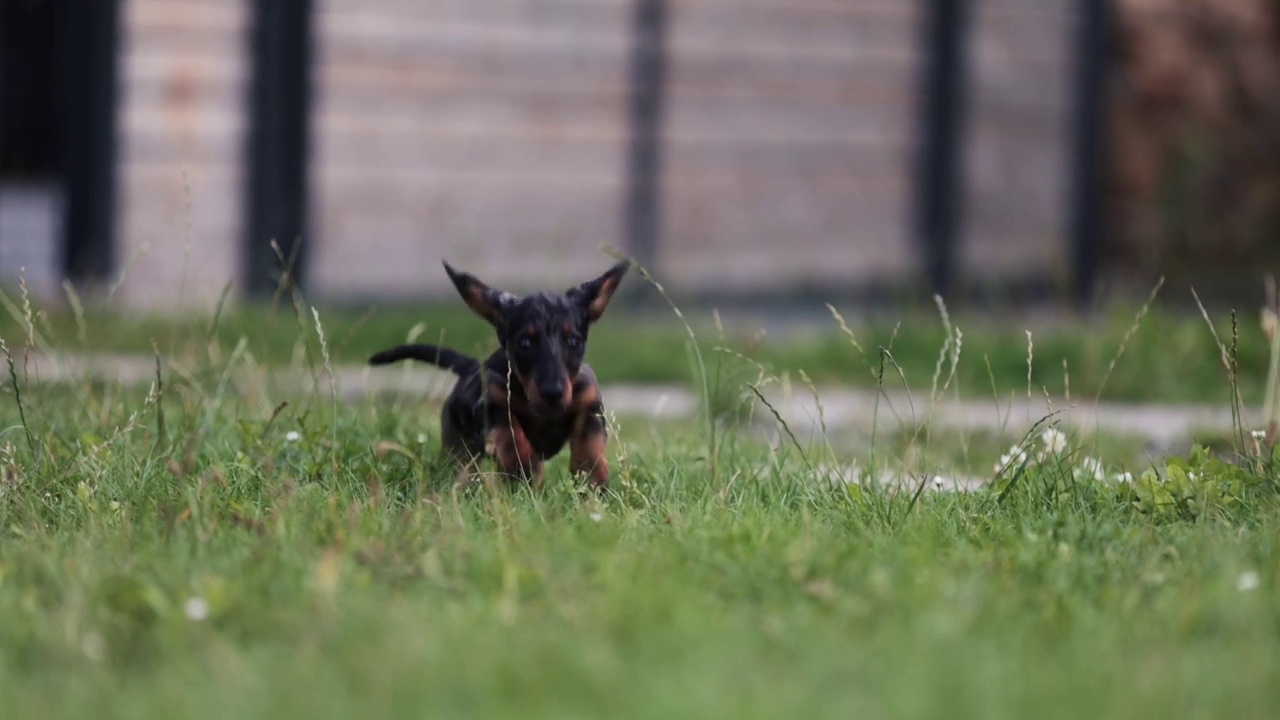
(843, 409)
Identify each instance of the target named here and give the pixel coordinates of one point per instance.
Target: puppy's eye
(573, 342)
(525, 342)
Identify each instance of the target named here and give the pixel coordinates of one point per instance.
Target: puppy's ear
(482, 299)
(594, 295)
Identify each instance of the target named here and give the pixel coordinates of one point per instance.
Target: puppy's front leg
(516, 458)
(587, 446)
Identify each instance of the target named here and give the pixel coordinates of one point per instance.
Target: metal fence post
(1086, 212)
(280, 95)
(643, 213)
(88, 129)
(938, 172)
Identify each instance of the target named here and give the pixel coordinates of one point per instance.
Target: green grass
(176, 554)
(1170, 357)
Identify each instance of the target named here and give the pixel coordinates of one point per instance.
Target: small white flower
(1055, 441)
(1124, 478)
(292, 436)
(938, 482)
(597, 517)
(1012, 459)
(1090, 467)
(1259, 434)
(422, 438)
(1247, 581)
(196, 609)
(853, 475)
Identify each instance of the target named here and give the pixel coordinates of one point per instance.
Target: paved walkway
(843, 408)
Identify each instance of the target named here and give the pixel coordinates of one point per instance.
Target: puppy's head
(543, 334)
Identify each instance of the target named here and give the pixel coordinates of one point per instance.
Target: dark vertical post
(938, 173)
(279, 142)
(88, 130)
(1088, 146)
(644, 153)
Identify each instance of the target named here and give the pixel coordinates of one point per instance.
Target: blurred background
(752, 151)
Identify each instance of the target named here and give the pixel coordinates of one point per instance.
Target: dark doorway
(31, 149)
(30, 101)
(57, 138)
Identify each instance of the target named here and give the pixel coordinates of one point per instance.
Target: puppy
(534, 394)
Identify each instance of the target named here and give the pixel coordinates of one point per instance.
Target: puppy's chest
(547, 437)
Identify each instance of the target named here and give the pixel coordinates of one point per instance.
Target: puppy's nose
(551, 391)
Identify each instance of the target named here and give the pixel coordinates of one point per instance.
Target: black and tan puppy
(534, 394)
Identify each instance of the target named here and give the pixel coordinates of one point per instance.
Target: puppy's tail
(450, 360)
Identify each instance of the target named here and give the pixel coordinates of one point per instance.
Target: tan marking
(507, 402)
(499, 397)
(598, 303)
(566, 397)
(587, 455)
(531, 391)
(586, 395)
(475, 297)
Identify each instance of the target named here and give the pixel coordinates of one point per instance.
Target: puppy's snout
(551, 391)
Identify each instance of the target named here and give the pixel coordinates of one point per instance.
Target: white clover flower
(1259, 434)
(1014, 458)
(1247, 581)
(938, 482)
(597, 517)
(1090, 467)
(1055, 441)
(1124, 478)
(93, 646)
(292, 436)
(856, 474)
(196, 609)
(848, 475)
(422, 438)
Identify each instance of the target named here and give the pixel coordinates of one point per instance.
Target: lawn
(222, 547)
